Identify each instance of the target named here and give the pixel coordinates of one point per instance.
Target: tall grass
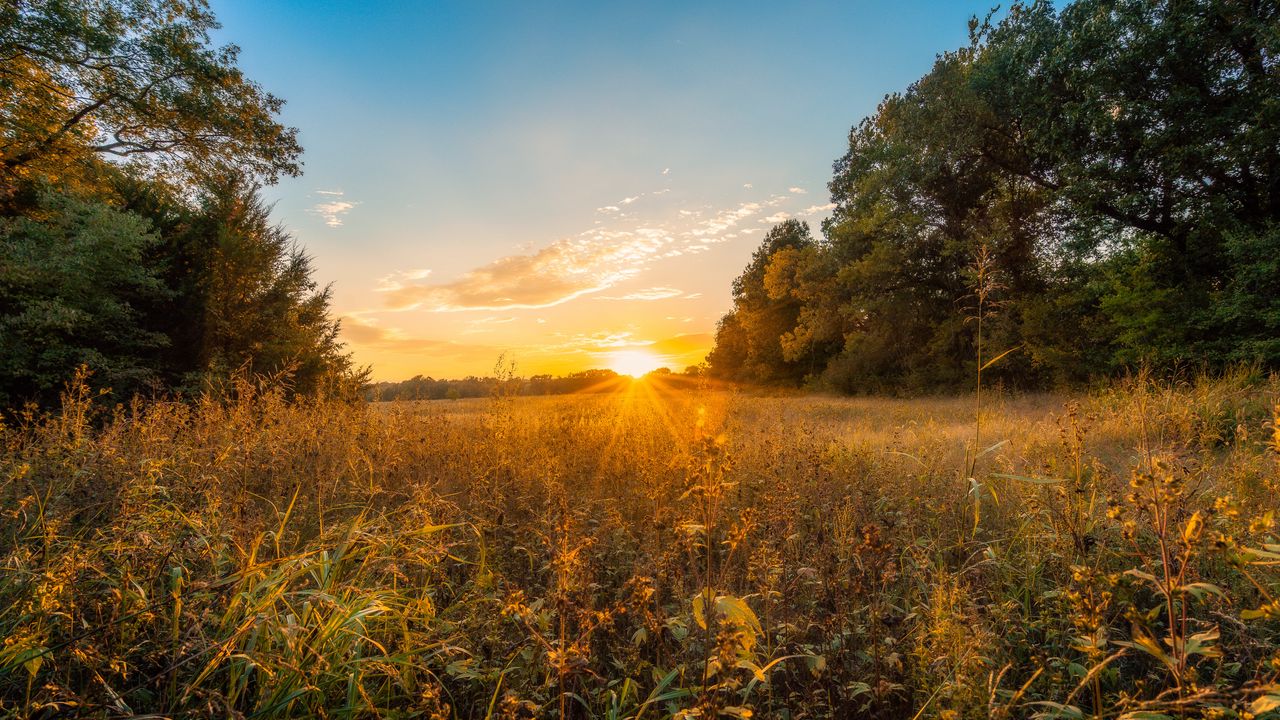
(646, 553)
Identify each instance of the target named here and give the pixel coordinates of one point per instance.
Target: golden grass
(657, 551)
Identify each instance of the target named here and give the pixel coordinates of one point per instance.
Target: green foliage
(257, 303)
(1248, 308)
(134, 239)
(751, 342)
(1116, 156)
(136, 81)
(74, 284)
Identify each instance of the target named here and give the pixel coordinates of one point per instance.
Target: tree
(1158, 124)
(251, 290)
(915, 200)
(134, 80)
(752, 335)
(71, 287)
(1120, 159)
(133, 236)
(729, 354)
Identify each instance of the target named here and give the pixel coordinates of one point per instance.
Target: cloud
(815, 209)
(666, 171)
(724, 220)
(655, 293)
(566, 269)
(797, 190)
(332, 210)
(619, 248)
(396, 280)
(748, 185)
(590, 342)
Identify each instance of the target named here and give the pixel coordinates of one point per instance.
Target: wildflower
(1263, 523)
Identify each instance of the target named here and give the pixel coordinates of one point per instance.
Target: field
(652, 551)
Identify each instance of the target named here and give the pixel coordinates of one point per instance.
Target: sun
(634, 362)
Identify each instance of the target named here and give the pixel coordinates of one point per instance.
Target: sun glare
(634, 362)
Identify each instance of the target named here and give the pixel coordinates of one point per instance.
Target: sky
(571, 185)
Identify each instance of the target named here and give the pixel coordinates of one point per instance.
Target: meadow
(654, 551)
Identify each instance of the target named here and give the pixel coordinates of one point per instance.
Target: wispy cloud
(655, 293)
(333, 207)
(618, 249)
(725, 219)
(797, 190)
(591, 342)
(396, 280)
(815, 209)
(560, 272)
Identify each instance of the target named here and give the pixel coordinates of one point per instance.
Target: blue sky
(563, 182)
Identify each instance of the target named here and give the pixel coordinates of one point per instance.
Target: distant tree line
(133, 238)
(1118, 161)
(586, 381)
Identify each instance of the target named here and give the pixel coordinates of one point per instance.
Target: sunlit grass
(649, 550)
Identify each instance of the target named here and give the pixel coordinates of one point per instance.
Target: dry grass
(652, 552)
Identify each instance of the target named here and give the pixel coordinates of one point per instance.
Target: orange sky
(647, 276)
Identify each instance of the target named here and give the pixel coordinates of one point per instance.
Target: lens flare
(634, 362)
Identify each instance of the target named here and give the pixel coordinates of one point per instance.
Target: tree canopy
(135, 81)
(1117, 159)
(133, 239)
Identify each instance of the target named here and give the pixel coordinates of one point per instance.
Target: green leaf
(999, 357)
(1266, 703)
(817, 664)
(1148, 577)
(991, 449)
(1148, 645)
(700, 608)
(1058, 711)
(33, 663)
(736, 611)
(1202, 644)
(1271, 553)
(1261, 613)
(1200, 589)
